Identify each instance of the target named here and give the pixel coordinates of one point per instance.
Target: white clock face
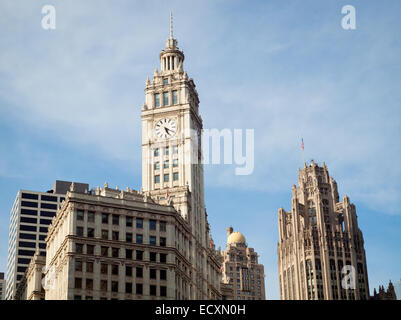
(166, 128)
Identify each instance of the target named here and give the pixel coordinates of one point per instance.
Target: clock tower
(172, 172)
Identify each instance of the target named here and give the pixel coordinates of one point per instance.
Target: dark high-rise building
(30, 216)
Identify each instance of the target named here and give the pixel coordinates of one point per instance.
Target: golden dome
(235, 237)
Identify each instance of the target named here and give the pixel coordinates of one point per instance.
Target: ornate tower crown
(171, 58)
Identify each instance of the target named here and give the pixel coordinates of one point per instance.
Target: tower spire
(171, 25)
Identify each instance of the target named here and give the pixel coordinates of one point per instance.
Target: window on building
(165, 81)
(163, 275)
(90, 249)
(45, 221)
(115, 235)
(128, 237)
(152, 273)
(115, 252)
(139, 238)
(29, 196)
(139, 288)
(175, 176)
(152, 224)
(21, 269)
(162, 226)
(166, 151)
(29, 204)
(90, 232)
(104, 251)
(175, 163)
(105, 218)
(139, 255)
(89, 284)
(114, 269)
(114, 286)
(152, 290)
(165, 99)
(48, 214)
(103, 285)
(48, 198)
(175, 149)
(166, 164)
(79, 248)
(156, 166)
(48, 206)
(152, 256)
(156, 152)
(152, 240)
(116, 219)
(105, 234)
(128, 271)
(175, 97)
(162, 241)
(157, 100)
(80, 231)
(157, 178)
(78, 265)
(163, 257)
(78, 283)
(128, 221)
(89, 267)
(80, 215)
(128, 287)
(91, 216)
(139, 272)
(104, 268)
(128, 253)
(139, 223)
(29, 212)
(166, 177)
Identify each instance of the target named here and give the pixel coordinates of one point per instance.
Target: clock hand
(167, 130)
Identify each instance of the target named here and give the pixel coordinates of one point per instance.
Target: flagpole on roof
(303, 152)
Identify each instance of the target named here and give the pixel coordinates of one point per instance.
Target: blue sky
(70, 102)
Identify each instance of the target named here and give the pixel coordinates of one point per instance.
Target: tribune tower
(172, 172)
(320, 242)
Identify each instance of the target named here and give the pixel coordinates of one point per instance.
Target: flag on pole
(303, 147)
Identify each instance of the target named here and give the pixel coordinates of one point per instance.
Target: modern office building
(2, 286)
(30, 216)
(321, 251)
(241, 269)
